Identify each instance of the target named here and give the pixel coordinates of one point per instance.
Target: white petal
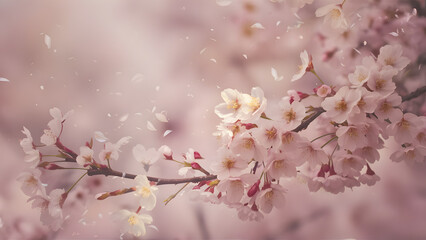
(100, 137)
(257, 26)
(150, 126)
(4, 80)
(47, 41)
(161, 117)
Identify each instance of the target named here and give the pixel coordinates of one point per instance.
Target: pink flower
(391, 55)
(360, 76)
(340, 105)
(405, 129)
(291, 114)
(111, 150)
(31, 154)
(86, 156)
(270, 197)
(381, 81)
(323, 91)
(386, 108)
(234, 187)
(31, 183)
(229, 164)
(132, 222)
(51, 208)
(55, 126)
(410, 154)
(351, 137)
(280, 165)
(146, 157)
(348, 165)
(334, 14)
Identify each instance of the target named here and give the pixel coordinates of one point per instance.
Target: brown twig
(414, 94)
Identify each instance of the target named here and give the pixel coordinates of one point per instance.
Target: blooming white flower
(254, 105)
(311, 153)
(86, 156)
(247, 213)
(132, 222)
(31, 183)
(268, 133)
(146, 156)
(291, 114)
(247, 147)
(145, 191)
(334, 14)
(340, 105)
(231, 109)
(360, 76)
(188, 169)
(111, 150)
(271, 197)
(391, 55)
(306, 66)
(51, 135)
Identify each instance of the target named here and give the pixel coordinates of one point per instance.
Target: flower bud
(253, 189)
(52, 166)
(197, 155)
(167, 152)
(195, 166)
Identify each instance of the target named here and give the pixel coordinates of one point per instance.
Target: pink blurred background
(117, 63)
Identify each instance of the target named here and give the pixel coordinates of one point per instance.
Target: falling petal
(137, 78)
(100, 137)
(257, 26)
(223, 3)
(47, 41)
(394, 34)
(124, 118)
(275, 75)
(245, 56)
(4, 80)
(150, 126)
(203, 50)
(161, 117)
(167, 132)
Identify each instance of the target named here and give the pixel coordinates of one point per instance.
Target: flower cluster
(258, 153)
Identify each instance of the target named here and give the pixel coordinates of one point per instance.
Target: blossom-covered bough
(261, 147)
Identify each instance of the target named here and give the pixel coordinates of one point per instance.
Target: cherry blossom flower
(254, 105)
(234, 186)
(145, 191)
(351, 137)
(370, 178)
(51, 135)
(145, 156)
(31, 154)
(405, 129)
(360, 76)
(31, 183)
(334, 14)
(132, 222)
(247, 213)
(368, 153)
(51, 208)
(268, 133)
(270, 197)
(231, 109)
(323, 91)
(306, 66)
(348, 165)
(190, 166)
(247, 147)
(311, 153)
(280, 165)
(410, 154)
(332, 183)
(381, 81)
(111, 150)
(386, 108)
(86, 156)
(391, 55)
(340, 105)
(291, 114)
(229, 164)
(166, 151)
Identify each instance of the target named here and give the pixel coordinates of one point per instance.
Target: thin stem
(78, 180)
(329, 141)
(85, 169)
(322, 136)
(315, 73)
(109, 165)
(343, 2)
(414, 94)
(174, 195)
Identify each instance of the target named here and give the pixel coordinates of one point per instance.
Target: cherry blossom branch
(164, 181)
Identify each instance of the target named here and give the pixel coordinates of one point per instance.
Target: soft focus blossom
(31, 183)
(51, 208)
(146, 156)
(132, 222)
(334, 14)
(85, 156)
(391, 55)
(111, 150)
(55, 126)
(340, 105)
(271, 197)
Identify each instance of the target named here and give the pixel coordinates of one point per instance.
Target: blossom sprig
(257, 154)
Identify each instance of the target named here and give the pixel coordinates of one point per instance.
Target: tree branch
(414, 94)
